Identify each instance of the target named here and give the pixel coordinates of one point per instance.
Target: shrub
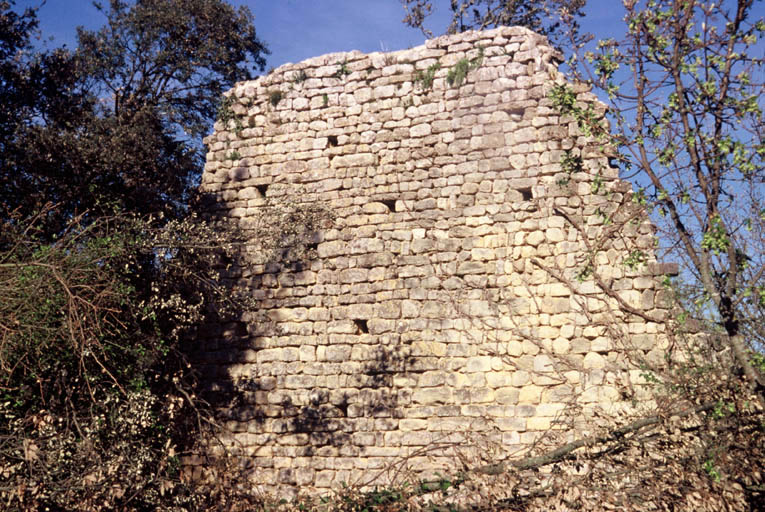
(99, 396)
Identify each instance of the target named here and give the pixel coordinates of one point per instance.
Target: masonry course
(446, 299)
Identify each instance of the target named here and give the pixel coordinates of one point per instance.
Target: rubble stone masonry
(445, 301)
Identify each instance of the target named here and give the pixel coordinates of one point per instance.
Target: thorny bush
(98, 398)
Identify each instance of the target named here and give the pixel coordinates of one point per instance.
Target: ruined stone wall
(452, 303)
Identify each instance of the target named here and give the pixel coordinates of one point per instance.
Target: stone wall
(436, 286)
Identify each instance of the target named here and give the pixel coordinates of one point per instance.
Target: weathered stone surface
(447, 293)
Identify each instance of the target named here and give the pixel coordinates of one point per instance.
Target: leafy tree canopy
(176, 56)
(117, 122)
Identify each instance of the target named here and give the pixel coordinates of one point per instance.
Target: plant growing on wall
(227, 116)
(274, 97)
(299, 77)
(425, 78)
(342, 70)
(457, 74)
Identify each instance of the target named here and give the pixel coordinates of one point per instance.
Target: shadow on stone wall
(252, 397)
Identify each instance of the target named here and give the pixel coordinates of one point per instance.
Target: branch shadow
(250, 397)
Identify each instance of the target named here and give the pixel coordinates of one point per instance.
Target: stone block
(593, 360)
(472, 267)
(538, 423)
(507, 395)
(530, 394)
(499, 379)
(420, 130)
(479, 364)
(413, 424)
(432, 396)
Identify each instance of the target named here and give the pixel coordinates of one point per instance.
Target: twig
(599, 280)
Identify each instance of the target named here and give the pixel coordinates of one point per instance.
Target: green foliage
(442, 484)
(348, 499)
(585, 272)
(15, 84)
(274, 97)
(716, 238)
(758, 360)
(570, 164)
(648, 375)
(190, 49)
(685, 105)
(635, 259)
(457, 74)
(324, 99)
(605, 217)
(98, 301)
(96, 387)
(392, 498)
(299, 77)
(722, 409)
(597, 184)
(709, 467)
(117, 121)
(565, 101)
(233, 155)
(226, 114)
(425, 79)
(342, 70)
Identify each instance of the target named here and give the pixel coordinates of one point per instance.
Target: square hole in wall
(390, 204)
(526, 194)
(361, 325)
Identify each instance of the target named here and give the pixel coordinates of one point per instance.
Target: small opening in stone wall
(262, 189)
(526, 193)
(343, 406)
(361, 325)
(389, 203)
(332, 140)
(312, 246)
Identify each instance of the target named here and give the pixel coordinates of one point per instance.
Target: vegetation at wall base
(105, 272)
(100, 398)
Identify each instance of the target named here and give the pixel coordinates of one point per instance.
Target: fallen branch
(566, 450)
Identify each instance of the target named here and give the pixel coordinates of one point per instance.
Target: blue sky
(298, 29)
